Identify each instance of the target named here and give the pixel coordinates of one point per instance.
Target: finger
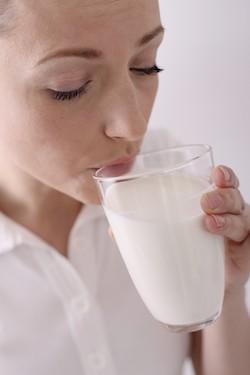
(233, 227)
(240, 253)
(225, 177)
(222, 201)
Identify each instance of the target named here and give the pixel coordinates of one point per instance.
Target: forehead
(86, 12)
(49, 24)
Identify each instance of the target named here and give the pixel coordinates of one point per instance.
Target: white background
(204, 94)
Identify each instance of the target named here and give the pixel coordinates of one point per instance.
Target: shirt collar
(13, 234)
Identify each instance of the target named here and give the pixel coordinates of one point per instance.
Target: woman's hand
(228, 215)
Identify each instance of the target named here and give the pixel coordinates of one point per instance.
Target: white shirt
(81, 315)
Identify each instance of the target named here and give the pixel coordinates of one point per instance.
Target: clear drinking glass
(153, 207)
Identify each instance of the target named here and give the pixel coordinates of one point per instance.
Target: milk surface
(175, 264)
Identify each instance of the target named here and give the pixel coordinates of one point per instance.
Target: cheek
(47, 157)
(47, 143)
(148, 95)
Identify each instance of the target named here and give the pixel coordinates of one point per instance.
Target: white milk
(175, 264)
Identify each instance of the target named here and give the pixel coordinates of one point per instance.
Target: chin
(89, 195)
(82, 189)
(96, 200)
(86, 197)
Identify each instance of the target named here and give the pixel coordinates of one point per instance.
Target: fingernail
(214, 200)
(220, 221)
(226, 174)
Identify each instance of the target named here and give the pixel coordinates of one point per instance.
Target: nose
(124, 116)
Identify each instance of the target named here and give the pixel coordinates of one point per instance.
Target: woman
(78, 82)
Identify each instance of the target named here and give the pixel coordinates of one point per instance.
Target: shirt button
(97, 360)
(80, 305)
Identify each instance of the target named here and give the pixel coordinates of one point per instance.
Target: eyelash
(70, 95)
(148, 71)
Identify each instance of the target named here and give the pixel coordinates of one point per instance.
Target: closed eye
(73, 94)
(69, 95)
(153, 70)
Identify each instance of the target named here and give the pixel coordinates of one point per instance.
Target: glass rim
(206, 149)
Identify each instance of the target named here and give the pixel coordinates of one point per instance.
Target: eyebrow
(150, 36)
(90, 53)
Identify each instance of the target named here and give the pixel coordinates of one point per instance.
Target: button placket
(84, 317)
(89, 335)
(80, 306)
(97, 360)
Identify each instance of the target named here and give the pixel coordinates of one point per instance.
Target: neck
(43, 210)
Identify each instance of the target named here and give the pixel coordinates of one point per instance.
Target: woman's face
(72, 99)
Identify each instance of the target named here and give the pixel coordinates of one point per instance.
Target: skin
(48, 148)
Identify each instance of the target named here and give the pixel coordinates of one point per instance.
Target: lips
(122, 160)
(115, 168)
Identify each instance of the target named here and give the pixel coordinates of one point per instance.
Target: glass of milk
(153, 206)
